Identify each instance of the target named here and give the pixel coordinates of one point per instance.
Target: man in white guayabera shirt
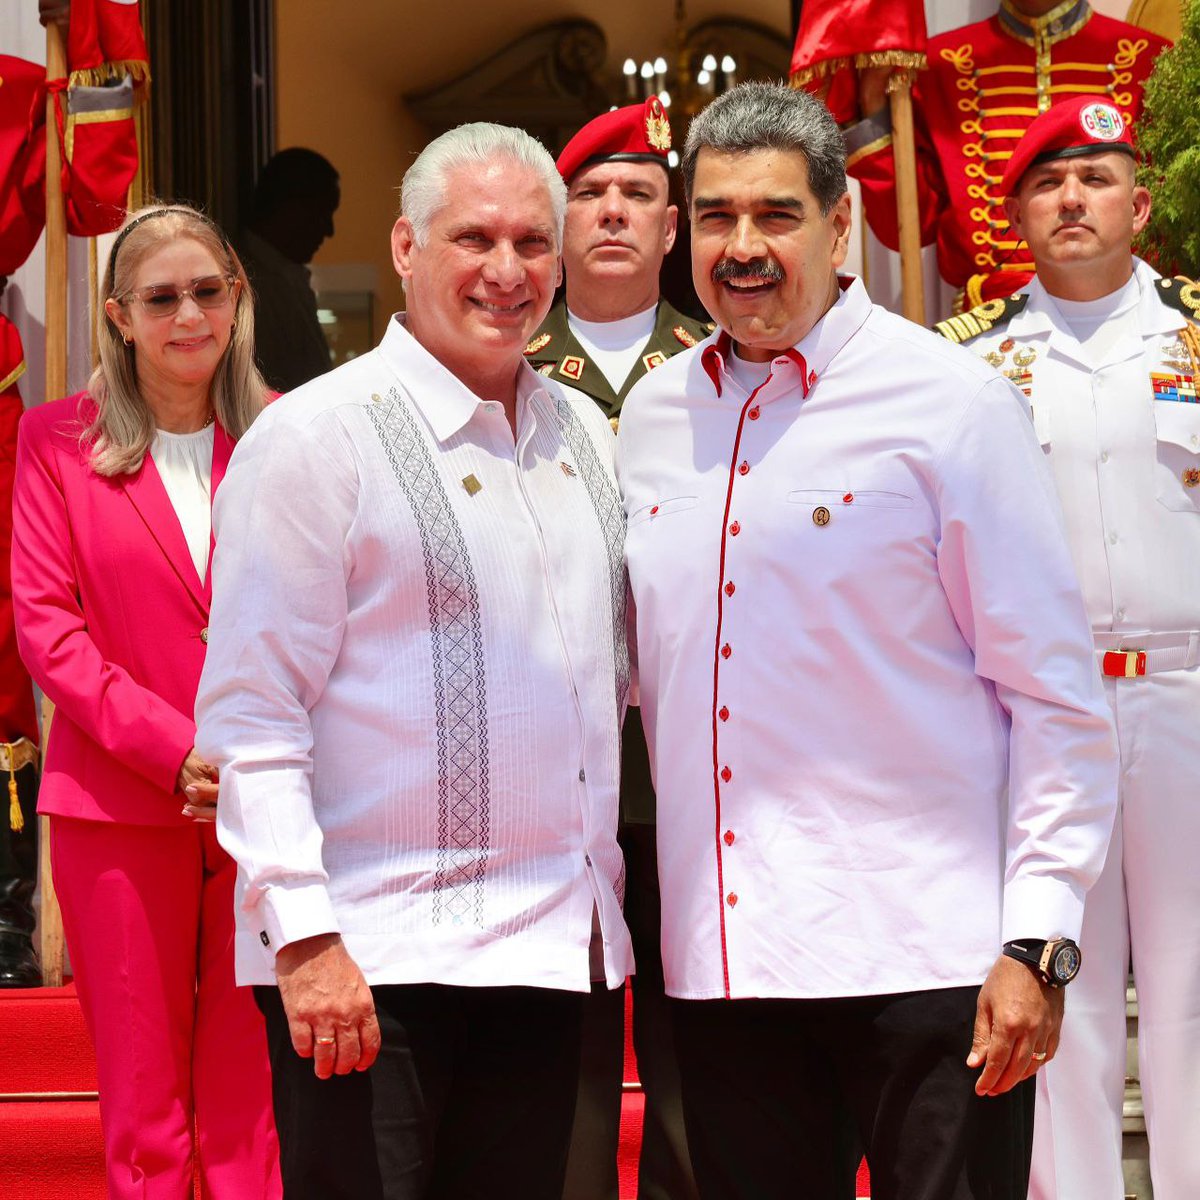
(417, 670)
(1109, 354)
(880, 742)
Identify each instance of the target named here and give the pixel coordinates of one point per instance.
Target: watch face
(1065, 964)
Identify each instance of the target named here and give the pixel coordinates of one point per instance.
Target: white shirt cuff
(1040, 907)
(291, 912)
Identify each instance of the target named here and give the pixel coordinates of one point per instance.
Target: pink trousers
(181, 1051)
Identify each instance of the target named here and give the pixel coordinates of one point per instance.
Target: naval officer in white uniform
(1106, 350)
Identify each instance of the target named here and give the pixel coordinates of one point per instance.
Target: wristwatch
(1056, 961)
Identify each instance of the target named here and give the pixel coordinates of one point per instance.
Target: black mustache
(760, 269)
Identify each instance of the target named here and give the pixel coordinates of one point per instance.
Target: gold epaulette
(981, 318)
(1181, 294)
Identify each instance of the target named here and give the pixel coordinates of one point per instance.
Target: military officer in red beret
(613, 326)
(985, 84)
(610, 330)
(1108, 353)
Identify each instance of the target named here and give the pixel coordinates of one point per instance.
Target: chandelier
(695, 80)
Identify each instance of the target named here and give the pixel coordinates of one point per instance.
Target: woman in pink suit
(111, 546)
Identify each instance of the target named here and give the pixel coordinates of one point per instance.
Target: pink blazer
(111, 621)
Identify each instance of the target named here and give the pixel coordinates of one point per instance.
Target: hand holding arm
(198, 781)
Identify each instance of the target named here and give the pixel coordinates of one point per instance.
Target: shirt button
(491, 407)
(1120, 614)
(744, 468)
(729, 838)
(731, 899)
(723, 714)
(729, 588)
(1104, 456)
(726, 774)
(582, 775)
(653, 509)
(587, 858)
(204, 635)
(734, 529)
(753, 413)
(726, 650)
(1112, 537)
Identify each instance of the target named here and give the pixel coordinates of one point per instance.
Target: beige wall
(342, 69)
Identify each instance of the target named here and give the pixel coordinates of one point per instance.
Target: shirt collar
(1041, 314)
(446, 403)
(815, 351)
(1060, 22)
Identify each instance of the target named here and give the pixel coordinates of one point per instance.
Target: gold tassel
(908, 60)
(16, 819)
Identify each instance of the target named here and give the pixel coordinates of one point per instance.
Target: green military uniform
(556, 352)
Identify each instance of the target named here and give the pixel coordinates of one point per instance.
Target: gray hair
(772, 116)
(423, 192)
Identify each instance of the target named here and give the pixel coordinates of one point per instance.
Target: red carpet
(50, 1149)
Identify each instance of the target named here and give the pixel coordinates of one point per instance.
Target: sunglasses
(164, 299)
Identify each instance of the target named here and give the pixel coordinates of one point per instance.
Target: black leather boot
(18, 877)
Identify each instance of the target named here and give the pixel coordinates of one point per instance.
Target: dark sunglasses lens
(161, 300)
(211, 292)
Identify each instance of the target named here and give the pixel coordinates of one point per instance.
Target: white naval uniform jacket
(417, 667)
(1126, 462)
(880, 742)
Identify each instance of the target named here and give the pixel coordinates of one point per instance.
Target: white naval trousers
(1147, 898)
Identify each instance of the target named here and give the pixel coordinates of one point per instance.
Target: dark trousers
(664, 1167)
(767, 1085)
(471, 1098)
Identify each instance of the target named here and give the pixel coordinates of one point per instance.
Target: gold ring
(1039, 1056)
(329, 1041)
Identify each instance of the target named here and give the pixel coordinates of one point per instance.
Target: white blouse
(184, 463)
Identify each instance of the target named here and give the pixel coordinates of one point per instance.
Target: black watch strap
(1056, 961)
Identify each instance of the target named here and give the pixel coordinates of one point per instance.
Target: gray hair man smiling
(881, 748)
(416, 679)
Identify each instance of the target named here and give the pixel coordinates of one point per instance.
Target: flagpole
(908, 216)
(50, 916)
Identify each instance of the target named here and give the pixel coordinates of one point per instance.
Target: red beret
(635, 133)
(1082, 125)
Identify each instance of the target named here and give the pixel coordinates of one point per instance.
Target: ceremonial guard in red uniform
(984, 86)
(18, 717)
(610, 330)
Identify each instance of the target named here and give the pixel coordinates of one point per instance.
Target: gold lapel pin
(471, 485)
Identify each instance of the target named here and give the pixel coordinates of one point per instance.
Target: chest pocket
(848, 501)
(1177, 472)
(662, 509)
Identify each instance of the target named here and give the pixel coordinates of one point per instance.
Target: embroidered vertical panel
(460, 693)
(610, 515)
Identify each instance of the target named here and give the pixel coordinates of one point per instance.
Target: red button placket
(732, 596)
